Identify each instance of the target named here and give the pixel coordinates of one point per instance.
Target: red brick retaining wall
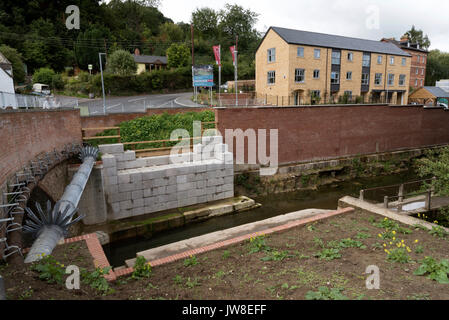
(324, 132)
(25, 134)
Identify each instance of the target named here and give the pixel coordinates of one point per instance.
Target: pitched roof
(404, 45)
(437, 92)
(150, 59)
(3, 59)
(292, 36)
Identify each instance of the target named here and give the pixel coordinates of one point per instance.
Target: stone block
(181, 179)
(150, 174)
(138, 203)
(127, 204)
(160, 182)
(118, 197)
(129, 155)
(111, 180)
(173, 188)
(123, 178)
(147, 193)
(115, 207)
(228, 179)
(136, 176)
(147, 184)
(186, 186)
(111, 189)
(108, 161)
(156, 161)
(138, 211)
(137, 194)
(111, 148)
(158, 191)
(229, 194)
(111, 172)
(125, 187)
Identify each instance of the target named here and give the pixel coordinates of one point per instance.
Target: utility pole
(102, 82)
(219, 75)
(193, 60)
(235, 71)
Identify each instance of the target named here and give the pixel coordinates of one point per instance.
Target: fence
(395, 195)
(142, 148)
(16, 101)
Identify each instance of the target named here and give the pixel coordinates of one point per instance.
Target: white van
(41, 89)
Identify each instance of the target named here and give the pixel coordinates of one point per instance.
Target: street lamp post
(102, 82)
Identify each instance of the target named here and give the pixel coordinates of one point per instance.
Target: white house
(7, 95)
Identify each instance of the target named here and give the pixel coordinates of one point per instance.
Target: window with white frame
(416, 82)
(366, 60)
(317, 53)
(348, 93)
(300, 52)
(365, 79)
(419, 59)
(390, 79)
(299, 75)
(402, 80)
(423, 59)
(316, 74)
(349, 75)
(350, 56)
(392, 60)
(379, 59)
(315, 93)
(271, 55)
(336, 55)
(416, 71)
(404, 61)
(421, 82)
(335, 77)
(271, 77)
(378, 79)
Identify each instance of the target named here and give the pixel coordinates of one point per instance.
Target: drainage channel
(325, 197)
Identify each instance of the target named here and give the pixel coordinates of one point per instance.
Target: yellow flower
(380, 236)
(391, 242)
(435, 222)
(402, 240)
(385, 245)
(62, 265)
(419, 215)
(394, 238)
(394, 232)
(416, 241)
(408, 249)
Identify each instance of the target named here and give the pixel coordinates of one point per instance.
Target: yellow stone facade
(286, 91)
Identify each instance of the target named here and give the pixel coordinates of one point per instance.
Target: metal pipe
(51, 226)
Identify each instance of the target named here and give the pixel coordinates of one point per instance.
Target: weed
(437, 271)
(324, 293)
(191, 283)
(398, 255)
(276, 256)
(96, 279)
(177, 279)
(419, 296)
(419, 249)
(438, 231)
(26, 294)
(362, 235)
(226, 254)
(346, 243)
(49, 269)
(220, 274)
(318, 242)
(257, 244)
(142, 268)
(328, 254)
(192, 261)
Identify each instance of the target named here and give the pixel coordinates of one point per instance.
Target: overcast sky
(368, 19)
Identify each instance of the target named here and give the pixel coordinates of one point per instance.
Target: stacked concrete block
(136, 186)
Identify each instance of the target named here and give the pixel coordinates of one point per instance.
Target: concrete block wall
(135, 186)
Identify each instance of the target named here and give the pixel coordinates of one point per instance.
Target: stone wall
(136, 186)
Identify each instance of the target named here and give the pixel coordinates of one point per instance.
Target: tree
(178, 55)
(121, 62)
(16, 60)
(171, 32)
(437, 67)
(205, 21)
(237, 21)
(436, 164)
(44, 75)
(417, 36)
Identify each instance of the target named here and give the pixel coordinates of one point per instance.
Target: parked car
(443, 105)
(41, 89)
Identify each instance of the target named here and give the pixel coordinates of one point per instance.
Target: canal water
(325, 197)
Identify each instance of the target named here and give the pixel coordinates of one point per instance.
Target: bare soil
(235, 273)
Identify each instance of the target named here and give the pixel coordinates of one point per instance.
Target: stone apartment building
(418, 60)
(296, 67)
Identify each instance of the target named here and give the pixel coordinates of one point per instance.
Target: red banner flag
(233, 54)
(217, 54)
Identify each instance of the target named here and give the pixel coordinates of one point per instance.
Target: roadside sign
(89, 66)
(203, 75)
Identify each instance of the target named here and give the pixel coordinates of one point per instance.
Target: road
(139, 103)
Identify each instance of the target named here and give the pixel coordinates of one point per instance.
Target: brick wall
(114, 119)
(27, 133)
(324, 132)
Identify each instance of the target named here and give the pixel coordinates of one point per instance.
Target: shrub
(44, 75)
(49, 269)
(121, 62)
(437, 271)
